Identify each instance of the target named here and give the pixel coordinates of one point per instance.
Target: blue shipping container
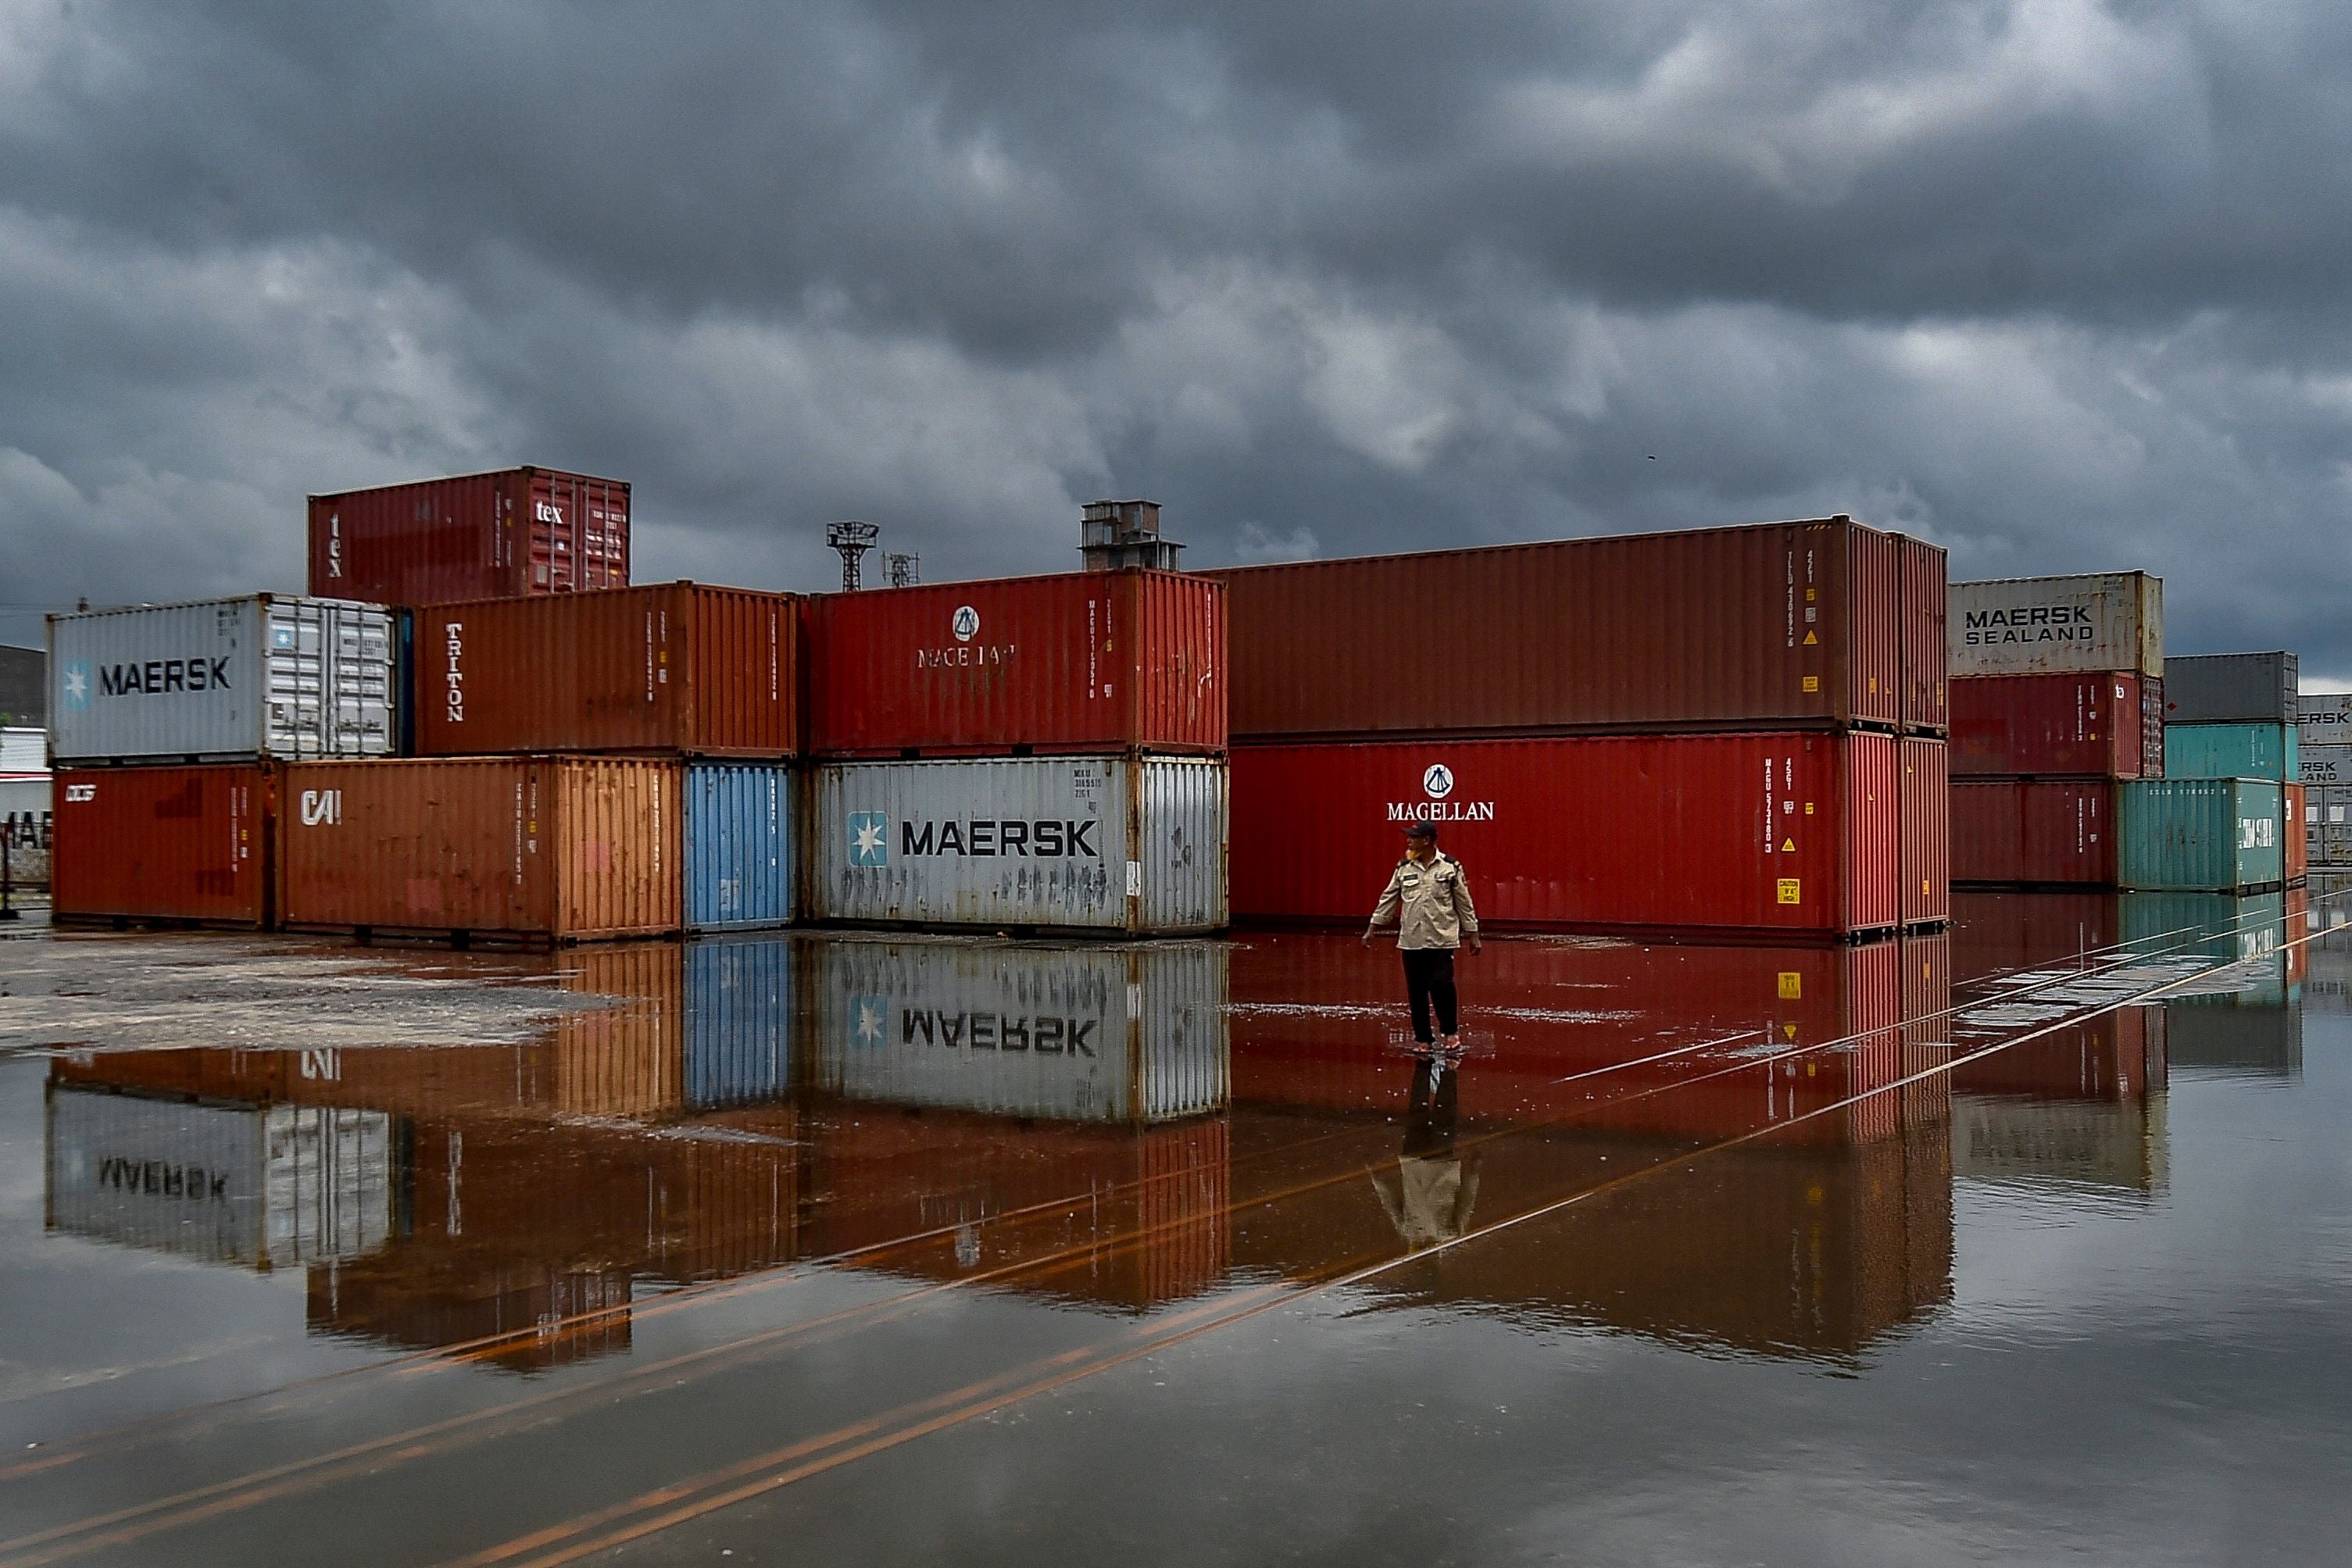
(2190, 835)
(740, 819)
(739, 1030)
(2232, 751)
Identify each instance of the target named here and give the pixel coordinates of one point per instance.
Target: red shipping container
(1925, 649)
(1078, 663)
(1791, 832)
(678, 667)
(2034, 832)
(519, 531)
(1779, 625)
(1927, 809)
(2090, 725)
(537, 849)
(188, 844)
(2296, 845)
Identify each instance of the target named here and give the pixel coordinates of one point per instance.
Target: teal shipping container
(739, 1021)
(739, 820)
(2232, 751)
(2188, 835)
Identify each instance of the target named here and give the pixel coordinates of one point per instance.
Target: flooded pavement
(2029, 1241)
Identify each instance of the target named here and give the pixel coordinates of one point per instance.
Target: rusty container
(2089, 725)
(1086, 662)
(515, 532)
(1927, 808)
(1790, 832)
(1924, 651)
(172, 844)
(2034, 832)
(1777, 625)
(672, 667)
(527, 849)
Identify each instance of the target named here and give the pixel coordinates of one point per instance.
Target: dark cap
(1420, 830)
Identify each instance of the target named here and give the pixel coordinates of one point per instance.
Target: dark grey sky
(2059, 284)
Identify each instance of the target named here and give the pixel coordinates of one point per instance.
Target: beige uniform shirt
(1429, 905)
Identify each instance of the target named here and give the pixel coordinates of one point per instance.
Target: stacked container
(1029, 753)
(170, 728)
(516, 532)
(1726, 728)
(2322, 722)
(2234, 717)
(2057, 694)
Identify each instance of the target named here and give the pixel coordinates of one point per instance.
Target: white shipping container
(224, 680)
(23, 751)
(2325, 764)
(259, 1187)
(2324, 718)
(1125, 1033)
(2039, 625)
(1128, 844)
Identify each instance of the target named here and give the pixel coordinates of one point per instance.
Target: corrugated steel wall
(2232, 688)
(740, 821)
(1924, 651)
(2079, 725)
(2220, 834)
(619, 827)
(517, 531)
(2034, 832)
(166, 843)
(2272, 752)
(2042, 625)
(624, 1054)
(1926, 831)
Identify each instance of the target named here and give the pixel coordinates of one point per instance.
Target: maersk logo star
(76, 682)
(869, 838)
(871, 1016)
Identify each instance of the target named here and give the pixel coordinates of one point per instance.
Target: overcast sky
(2057, 284)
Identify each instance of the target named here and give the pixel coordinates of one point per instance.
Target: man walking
(1428, 899)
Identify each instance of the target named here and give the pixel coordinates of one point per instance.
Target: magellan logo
(966, 624)
(1438, 781)
(2028, 624)
(966, 653)
(453, 683)
(321, 807)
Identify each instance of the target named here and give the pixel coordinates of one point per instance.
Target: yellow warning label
(1792, 985)
(1808, 808)
(1808, 596)
(1813, 683)
(1873, 685)
(1811, 1068)
(1812, 637)
(1922, 888)
(1789, 894)
(1788, 1031)
(1788, 846)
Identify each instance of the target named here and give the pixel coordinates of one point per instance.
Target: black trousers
(1429, 978)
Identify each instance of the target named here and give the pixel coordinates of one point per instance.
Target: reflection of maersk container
(262, 1186)
(738, 1028)
(2035, 625)
(1080, 1034)
(228, 679)
(1132, 844)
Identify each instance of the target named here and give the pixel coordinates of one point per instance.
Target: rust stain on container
(1084, 661)
(1775, 625)
(518, 531)
(676, 666)
(534, 847)
(190, 844)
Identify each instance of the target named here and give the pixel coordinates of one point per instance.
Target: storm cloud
(2057, 284)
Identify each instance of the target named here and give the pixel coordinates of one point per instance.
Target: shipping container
(2322, 765)
(2231, 688)
(1776, 626)
(1132, 844)
(2324, 718)
(174, 844)
(2021, 1139)
(535, 849)
(2189, 834)
(515, 532)
(739, 1021)
(2250, 938)
(675, 666)
(2231, 751)
(2151, 727)
(1792, 832)
(2085, 724)
(259, 1187)
(2034, 832)
(267, 676)
(740, 821)
(1129, 1033)
(2089, 624)
(1926, 822)
(1083, 661)
(1924, 652)
(2292, 831)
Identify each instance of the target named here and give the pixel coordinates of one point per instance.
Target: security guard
(1428, 901)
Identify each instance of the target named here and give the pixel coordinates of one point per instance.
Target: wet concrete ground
(2027, 1242)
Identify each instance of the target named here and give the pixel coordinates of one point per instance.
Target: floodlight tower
(852, 539)
(902, 571)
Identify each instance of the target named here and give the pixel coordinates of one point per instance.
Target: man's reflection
(1429, 1194)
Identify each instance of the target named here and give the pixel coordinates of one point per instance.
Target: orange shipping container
(675, 666)
(163, 843)
(530, 848)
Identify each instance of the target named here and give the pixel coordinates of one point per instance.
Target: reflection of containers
(2200, 834)
(625, 1056)
(1075, 662)
(2231, 751)
(1794, 832)
(541, 848)
(2232, 688)
(679, 666)
(739, 1033)
(2293, 833)
(1999, 932)
(2252, 935)
(1133, 844)
(740, 821)
(1082, 1034)
(260, 1186)
(2120, 1144)
(1778, 624)
(166, 843)
(519, 531)
(2037, 625)
(225, 679)
(2033, 832)
(2086, 723)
